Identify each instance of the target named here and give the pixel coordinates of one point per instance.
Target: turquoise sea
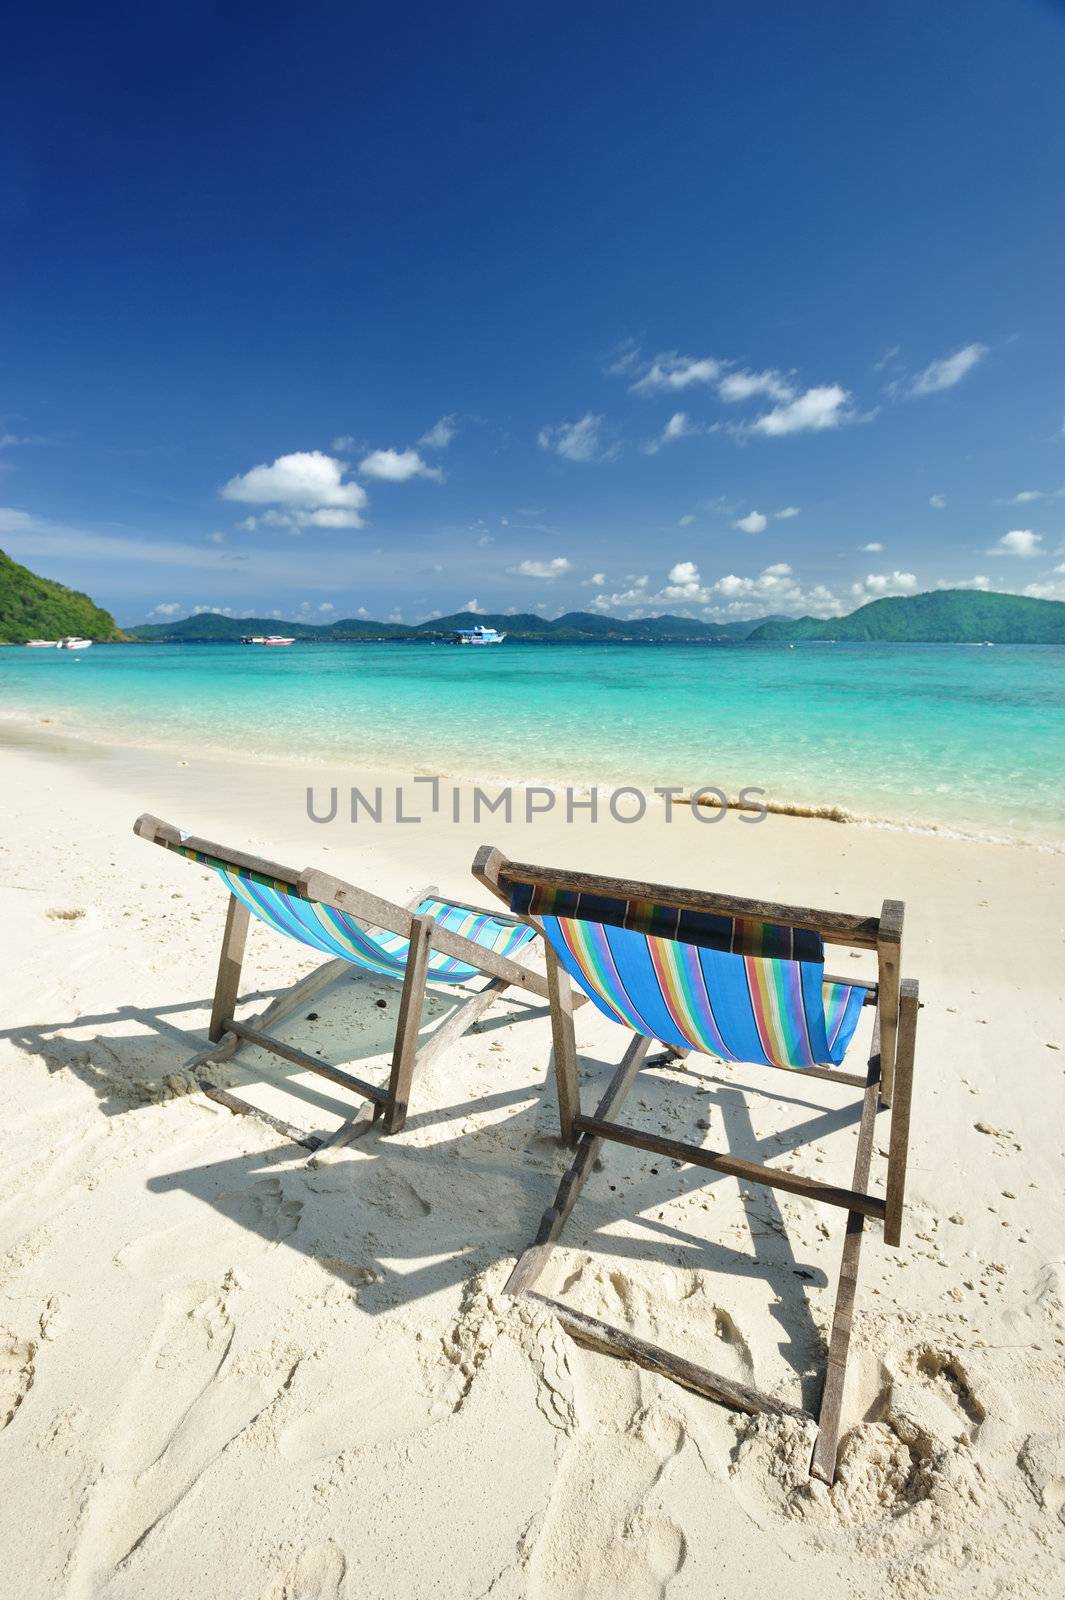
(950, 736)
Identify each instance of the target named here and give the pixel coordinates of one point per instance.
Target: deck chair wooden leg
(564, 1044)
(889, 965)
(411, 1000)
(898, 1145)
(227, 984)
(460, 1022)
(823, 1461)
(532, 1261)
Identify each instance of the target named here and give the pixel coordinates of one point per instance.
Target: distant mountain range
(944, 616)
(575, 625)
(37, 608)
(33, 607)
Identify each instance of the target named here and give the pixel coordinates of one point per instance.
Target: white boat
(42, 644)
(271, 638)
(477, 635)
(72, 642)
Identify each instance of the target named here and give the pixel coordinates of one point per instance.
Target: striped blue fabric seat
(728, 987)
(337, 934)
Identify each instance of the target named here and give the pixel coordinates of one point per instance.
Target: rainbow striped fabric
(724, 992)
(337, 934)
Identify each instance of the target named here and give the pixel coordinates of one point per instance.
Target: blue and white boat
(477, 635)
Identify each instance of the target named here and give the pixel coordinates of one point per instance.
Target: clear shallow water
(937, 735)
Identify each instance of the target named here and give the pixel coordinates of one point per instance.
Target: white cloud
(882, 583)
(1026, 496)
(474, 608)
(576, 441)
(12, 441)
(167, 608)
(396, 466)
(327, 605)
(811, 412)
(937, 502)
(541, 569)
(596, 581)
(212, 611)
(670, 372)
(776, 588)
(395, 615)
(1018, 542)
(686, 522)
(342, 443)
(306, 482)
(624, 359)
(753, 522)
(872, 549)
(12, 521)
(944, 374)
(745, 385)
(787, 512)
(440, 435)
(679, 426)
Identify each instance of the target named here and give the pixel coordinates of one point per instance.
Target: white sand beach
(227, 1371)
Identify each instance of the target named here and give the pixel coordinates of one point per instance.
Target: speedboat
(477, 635)
(71, 642)
(272, 638)
(42, 644)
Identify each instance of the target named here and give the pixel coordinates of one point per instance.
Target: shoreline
(48, 735)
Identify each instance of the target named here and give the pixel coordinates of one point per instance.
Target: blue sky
(706, 308)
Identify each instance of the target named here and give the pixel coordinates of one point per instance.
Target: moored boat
(478, 635)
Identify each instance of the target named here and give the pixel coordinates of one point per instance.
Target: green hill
(37, 608)
(945, 616)
(208, 627)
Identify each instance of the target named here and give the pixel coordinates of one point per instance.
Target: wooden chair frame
(887, 1082)
(228, 1036)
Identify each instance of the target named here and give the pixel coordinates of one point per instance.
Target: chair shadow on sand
(400, 1219)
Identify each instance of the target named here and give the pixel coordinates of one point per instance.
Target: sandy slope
(226, 1372)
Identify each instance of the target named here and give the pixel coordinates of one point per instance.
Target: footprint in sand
(383, 1400)
(1049, 1292)
(615, 1485)
(16, 1374)
(263, 1208)
(317, 1574)
(944, 1372)
(647, 1558)
(395, 1196)
(1042, 1460)
(184, 1406)
(151, 1253)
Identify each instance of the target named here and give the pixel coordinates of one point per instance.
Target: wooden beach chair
(743, 981)
(430, 940)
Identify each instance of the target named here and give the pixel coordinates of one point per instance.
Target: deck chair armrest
(155, 830)
(311, 884)
(487, 867)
